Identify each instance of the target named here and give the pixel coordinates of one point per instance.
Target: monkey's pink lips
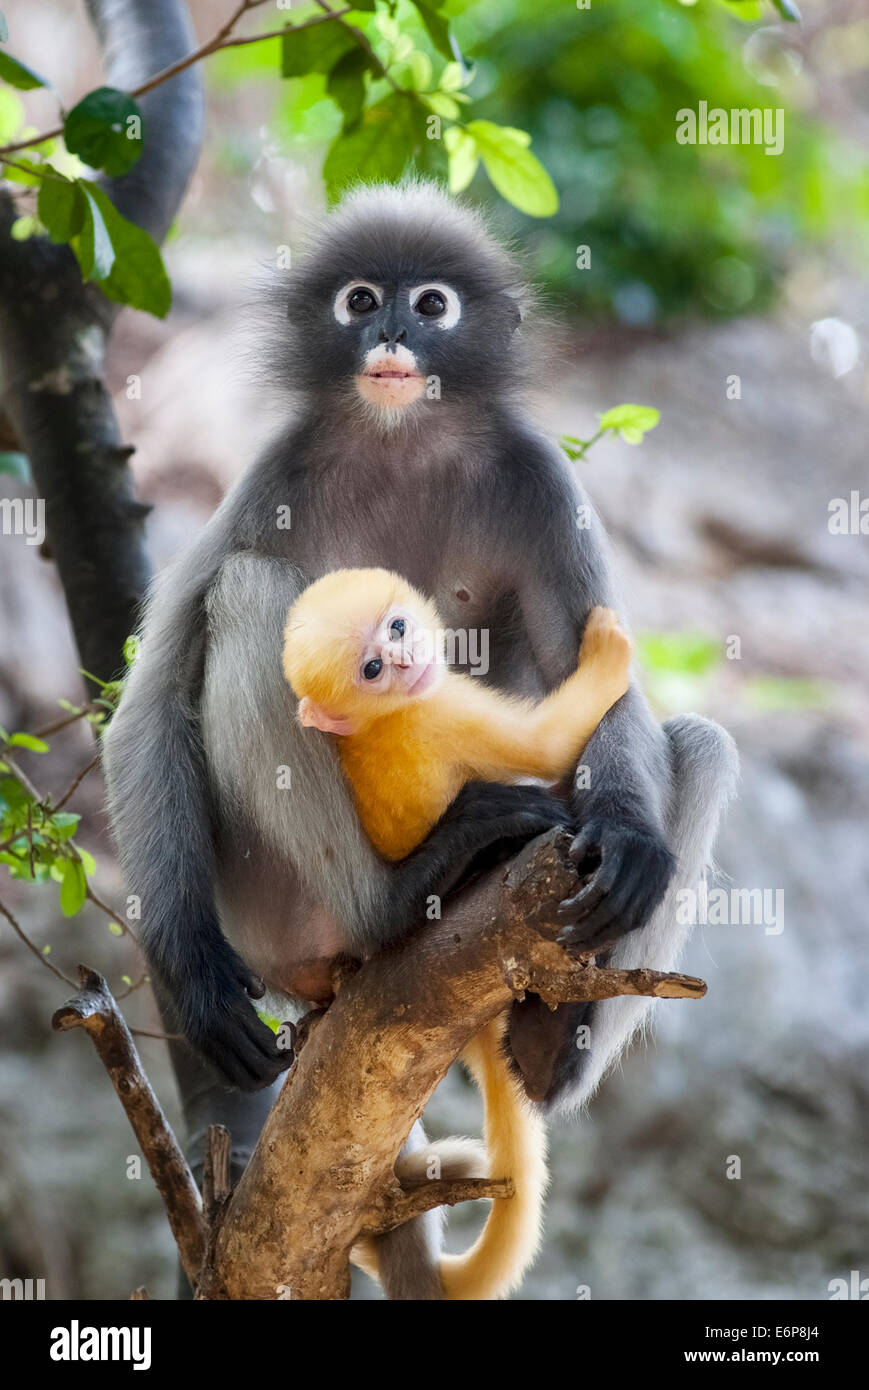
(389, 385)
(391, 374)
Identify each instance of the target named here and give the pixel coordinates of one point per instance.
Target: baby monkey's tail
(515, 1148)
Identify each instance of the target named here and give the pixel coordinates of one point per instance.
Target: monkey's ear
(315, 717)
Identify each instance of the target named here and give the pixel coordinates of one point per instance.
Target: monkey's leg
(544, 1044)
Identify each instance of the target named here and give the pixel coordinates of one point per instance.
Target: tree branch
(53, 333)
(94, 1009)
(322, 1173)
(370, 1066)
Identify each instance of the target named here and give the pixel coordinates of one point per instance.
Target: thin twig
(93, 1008)
(94, 762)
(21, 775)
(110, 912)
(220, 41)
(19, 931)
(64, 723)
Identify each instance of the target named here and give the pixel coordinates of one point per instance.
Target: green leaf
(516, 173)
(131, 649)
(115, 929)
(443, 105)
(89, 864)
(437, 26)
(378, 146)
(631, 421)
(61, 206)
(35, 745)
(346, 84)
(23, 228)
(421, 70)
(464, 157)
(63, 824)
(18, 75)
(93, 246)
(679, 653)
(314, 50)
(11, 115)
(453, 80)
(136, 274)
(105, 130)
(25, 171)
(73, 888)
(12, 792)
(269, 1020)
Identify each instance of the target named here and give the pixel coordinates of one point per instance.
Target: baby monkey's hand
(606, 651)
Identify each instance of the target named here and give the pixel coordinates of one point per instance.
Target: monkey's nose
(399, 337)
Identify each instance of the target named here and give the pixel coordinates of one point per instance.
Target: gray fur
(473, 506)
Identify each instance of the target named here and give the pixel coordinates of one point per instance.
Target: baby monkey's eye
(371, 670)
(397, 627)
(431, 304)
(361, 301)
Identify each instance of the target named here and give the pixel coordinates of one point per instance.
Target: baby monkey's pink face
(401, 657)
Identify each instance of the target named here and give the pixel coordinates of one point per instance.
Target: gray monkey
(404, 334)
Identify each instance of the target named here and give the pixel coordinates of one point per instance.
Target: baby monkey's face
(401, 657)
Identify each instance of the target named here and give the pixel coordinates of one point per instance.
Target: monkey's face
(395, 332)
(403, 303)
(401, 660)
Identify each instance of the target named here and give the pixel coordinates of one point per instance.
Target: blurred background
(708, 264)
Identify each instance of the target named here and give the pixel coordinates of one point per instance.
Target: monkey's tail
(515, 1148)
(516, 1144)
(455, 1157)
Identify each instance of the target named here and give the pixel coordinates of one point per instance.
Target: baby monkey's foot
(606, 648)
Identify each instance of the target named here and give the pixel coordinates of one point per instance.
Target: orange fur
(406, 757)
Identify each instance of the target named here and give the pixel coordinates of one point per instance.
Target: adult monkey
(403, 297)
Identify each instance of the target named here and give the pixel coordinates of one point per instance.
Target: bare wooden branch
(421, 1195)
(94, 1009)
(322, 1172)
(216, 1185)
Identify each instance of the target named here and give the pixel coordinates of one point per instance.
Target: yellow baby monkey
(364, 654)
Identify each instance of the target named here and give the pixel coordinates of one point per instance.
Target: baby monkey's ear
(315, 717)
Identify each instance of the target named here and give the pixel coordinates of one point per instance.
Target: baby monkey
(364, 654)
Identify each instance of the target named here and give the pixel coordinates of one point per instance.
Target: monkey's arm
(620, 801)
(498, 737)
(162, 822)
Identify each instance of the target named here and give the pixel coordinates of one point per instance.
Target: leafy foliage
(670, 228)
(105, 130)
(630, 422)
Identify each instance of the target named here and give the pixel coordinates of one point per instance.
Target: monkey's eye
(438, 303)
(361, 301)
(356, 300)
(397, 627)
(431, 304)
(371, 670)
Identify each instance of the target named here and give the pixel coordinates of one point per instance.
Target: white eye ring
(341, 308)
(453, 312)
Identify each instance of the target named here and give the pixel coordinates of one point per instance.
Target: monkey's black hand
(629, 873)
(492, 813)
(489, 820)
(485, 819)
(219, 1020)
